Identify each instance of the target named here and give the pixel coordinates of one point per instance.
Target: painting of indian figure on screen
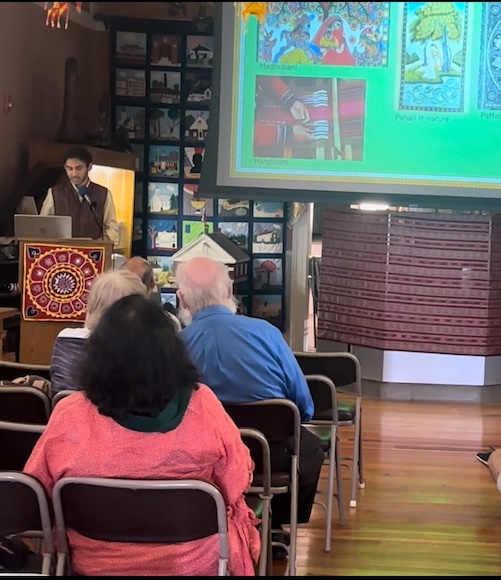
(325, 33)
(307, 118)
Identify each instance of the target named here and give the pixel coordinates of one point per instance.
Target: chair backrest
(139, 511)
(24, 404)
(276, 419)
(260, 453)
(16, 443)
(323, 393)
(61, 395)
(13, 370)
(24, 508)
(259, 495)
(342, 368)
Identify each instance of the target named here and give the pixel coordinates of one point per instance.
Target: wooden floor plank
(429, 507)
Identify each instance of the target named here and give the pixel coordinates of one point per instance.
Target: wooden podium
(55, 277)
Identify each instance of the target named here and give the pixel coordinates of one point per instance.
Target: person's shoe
(483, 456)
(281, 536)
(278, 552)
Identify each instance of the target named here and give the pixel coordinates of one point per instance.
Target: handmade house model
(218, 247)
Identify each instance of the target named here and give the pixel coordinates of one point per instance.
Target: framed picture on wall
(236, 231)
(267, 273)
(267, 238)
(194, 205)
(162, 235)
(193, 229)
(165, 50)
(130, 120)
(193, 159)
(268, 209)
(130, 48)
(268, 307)
(165, 124)
(199, 51)
(165, 87)
(130, 83)
(163, 198)
(199, 87)
(233, 208)
(164, 161)
(196, 124)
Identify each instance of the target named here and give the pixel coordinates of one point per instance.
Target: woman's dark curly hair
(135, 362)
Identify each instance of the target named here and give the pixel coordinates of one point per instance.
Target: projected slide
(393, 97)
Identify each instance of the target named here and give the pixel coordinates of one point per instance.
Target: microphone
(83, 192)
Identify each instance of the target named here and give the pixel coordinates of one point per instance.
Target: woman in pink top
(142, 414)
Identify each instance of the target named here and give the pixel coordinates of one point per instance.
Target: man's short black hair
(79, 153)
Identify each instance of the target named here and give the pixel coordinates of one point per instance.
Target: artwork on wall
(130, 83)
(199, 51)
(165, 124)
(165, 87)
(165, 50)
(194, 205)
(161, 92)
(163, 198)
(130, 48)
(199, 87)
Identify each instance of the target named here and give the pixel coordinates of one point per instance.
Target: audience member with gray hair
(69, 345)
(246, 359)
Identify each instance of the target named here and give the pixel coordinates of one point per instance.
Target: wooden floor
(430, 508)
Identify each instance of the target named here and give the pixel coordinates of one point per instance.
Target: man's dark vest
(67, 202)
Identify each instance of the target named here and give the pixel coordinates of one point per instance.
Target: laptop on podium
(41, 227)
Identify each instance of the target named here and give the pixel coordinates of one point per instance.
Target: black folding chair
(24, 404)
(259, 495)
(278, 420)
(24, 512)
(10, 371)
(324, 424)
(138, 511)
(343, 369)
(17, 441)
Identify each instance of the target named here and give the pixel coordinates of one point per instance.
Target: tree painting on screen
(433, 53)
(306, 118)
(328, 33)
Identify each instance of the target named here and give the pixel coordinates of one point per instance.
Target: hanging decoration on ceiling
(248, 9)
(56, 11)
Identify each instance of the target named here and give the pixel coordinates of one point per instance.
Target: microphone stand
(83, 193)
(92, 207)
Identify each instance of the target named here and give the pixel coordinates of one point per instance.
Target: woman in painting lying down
(142, 414)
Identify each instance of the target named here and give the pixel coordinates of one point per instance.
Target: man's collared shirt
(245, 359)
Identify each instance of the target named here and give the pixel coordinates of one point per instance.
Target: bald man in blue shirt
(246, 359)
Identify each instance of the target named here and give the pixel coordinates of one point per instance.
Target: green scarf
(167, 420)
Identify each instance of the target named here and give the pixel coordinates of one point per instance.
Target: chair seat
(346, 412)
(278, 479)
